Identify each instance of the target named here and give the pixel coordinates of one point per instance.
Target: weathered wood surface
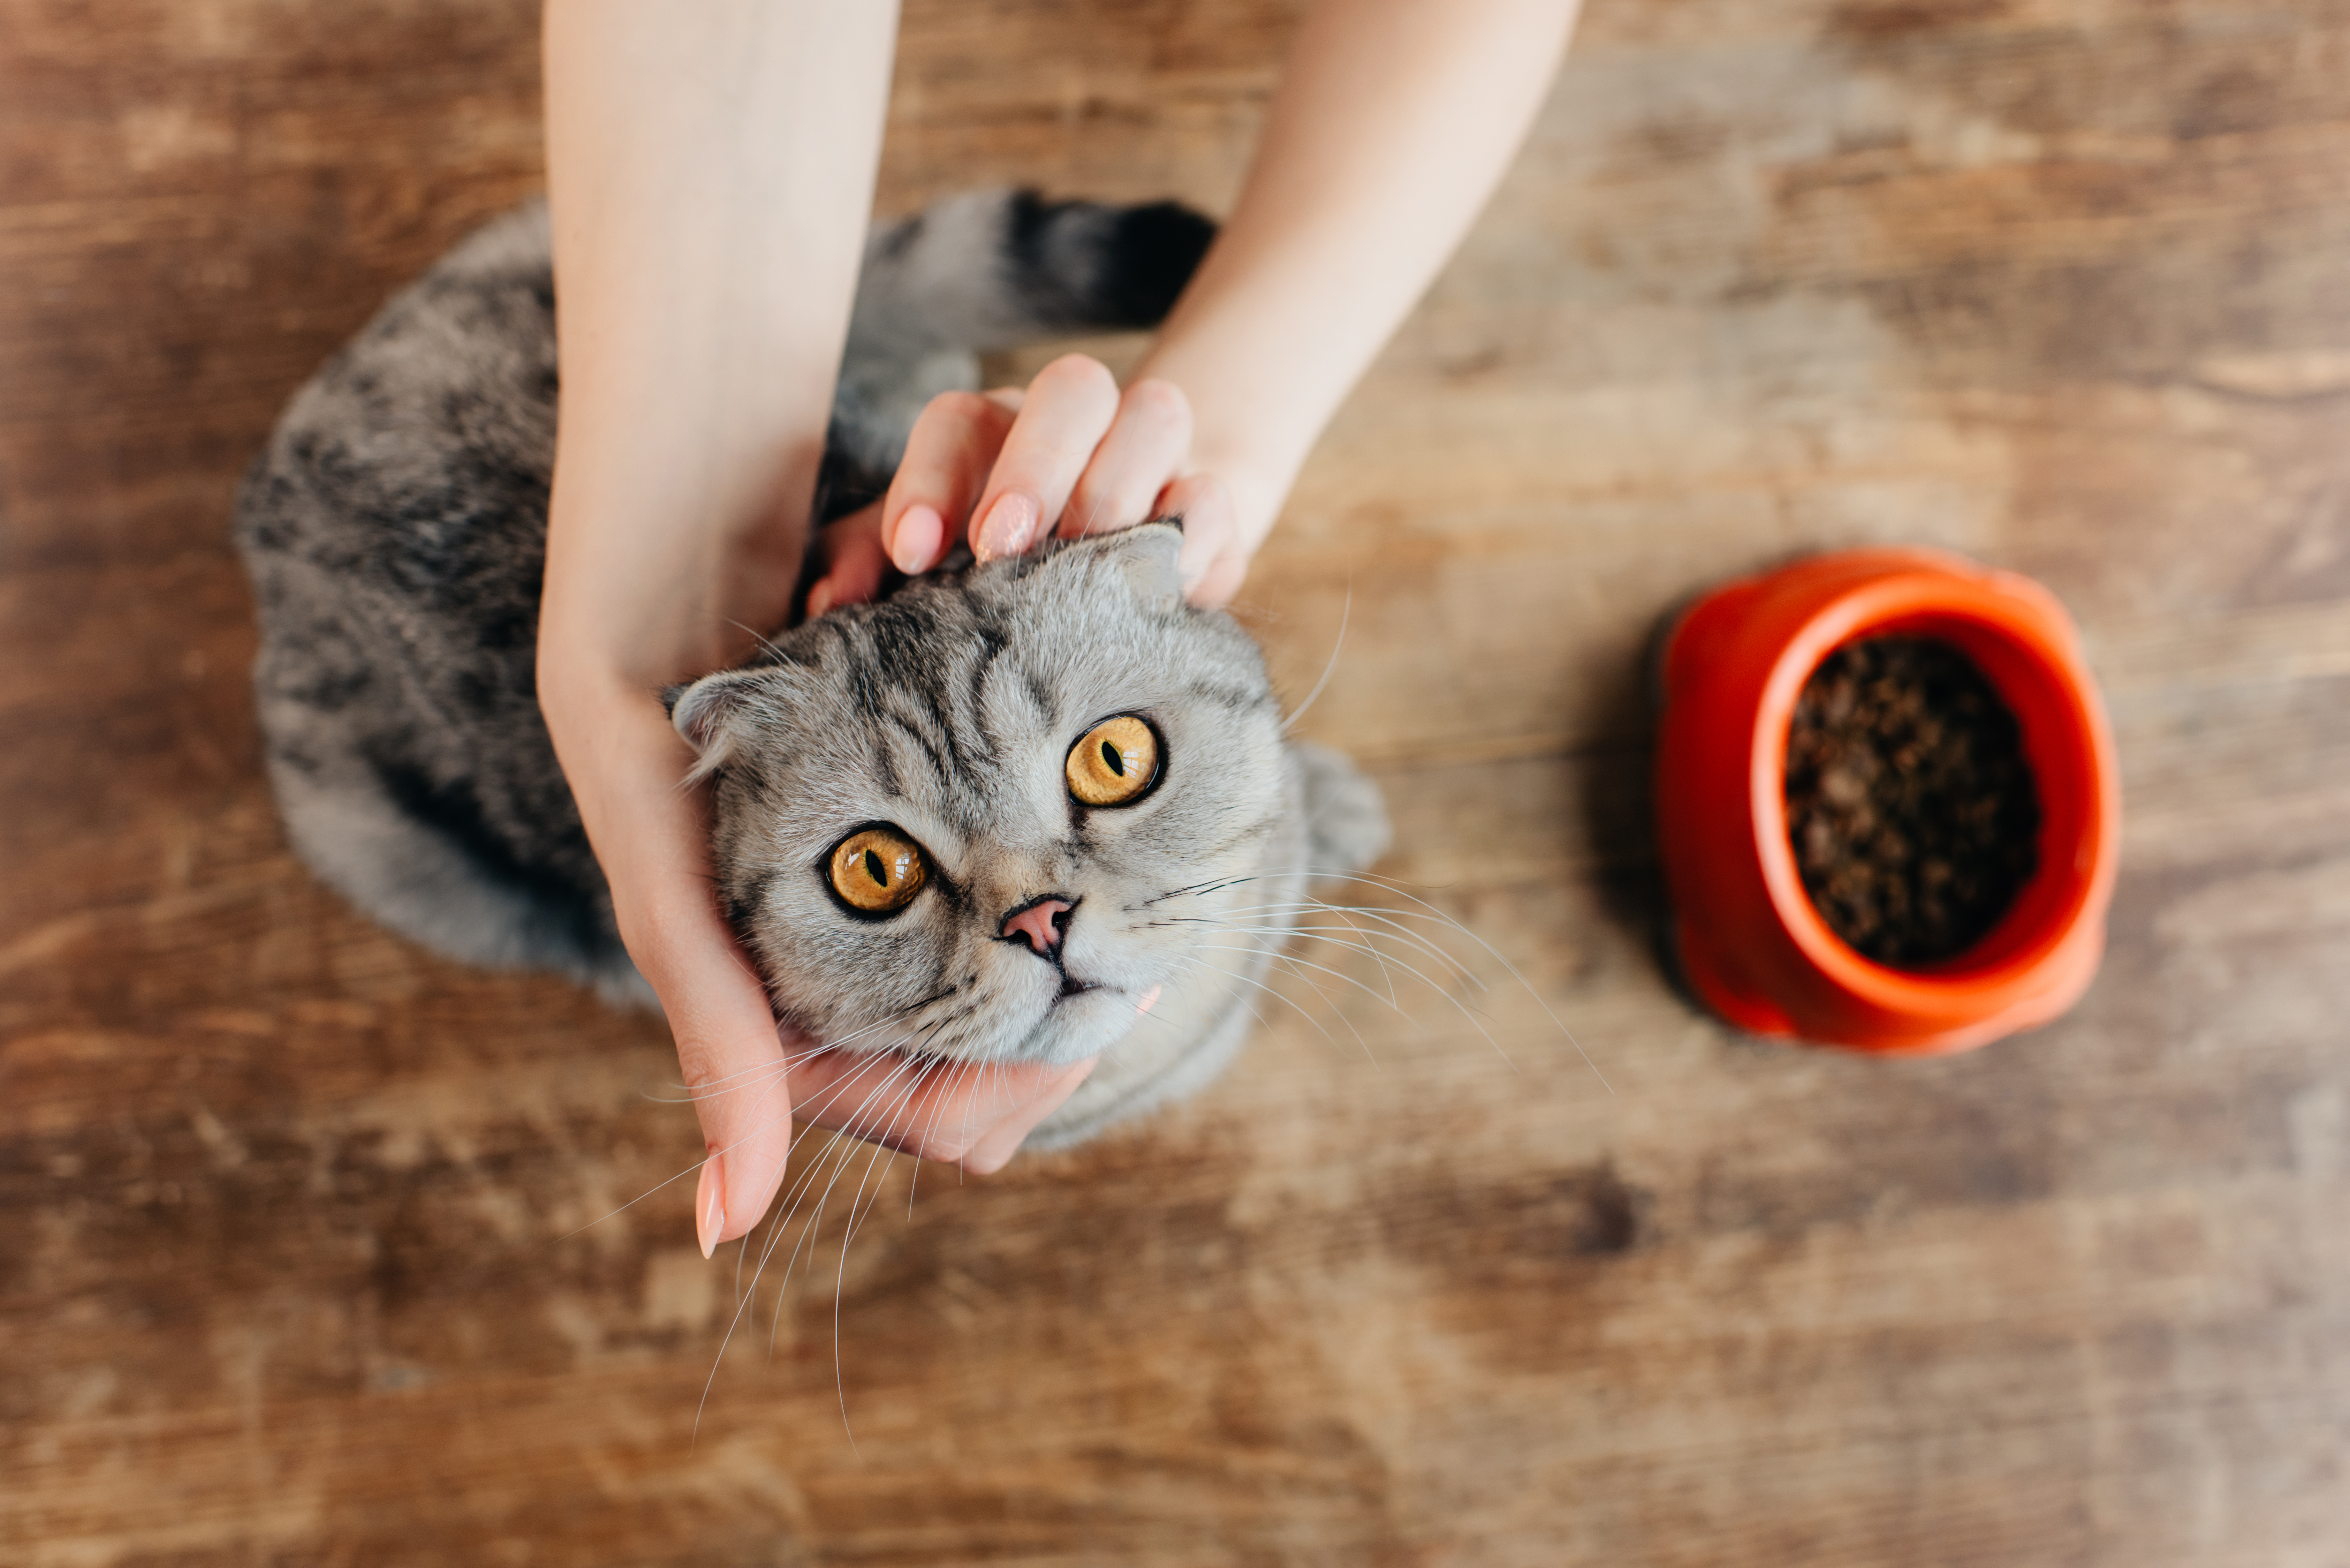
(290, 1261)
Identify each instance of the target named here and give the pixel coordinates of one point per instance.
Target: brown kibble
(1913, 816)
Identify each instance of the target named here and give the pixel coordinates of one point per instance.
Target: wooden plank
(315, 1248)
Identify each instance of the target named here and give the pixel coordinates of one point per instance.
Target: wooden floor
(296, 1260)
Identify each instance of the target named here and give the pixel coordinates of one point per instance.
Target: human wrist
(638, 594)
(1247, 429)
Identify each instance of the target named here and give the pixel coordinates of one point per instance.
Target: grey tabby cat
(1005, 815)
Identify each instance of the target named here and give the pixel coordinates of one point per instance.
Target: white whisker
(1337, 643)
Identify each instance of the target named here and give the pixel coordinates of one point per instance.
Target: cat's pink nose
(1042, 922)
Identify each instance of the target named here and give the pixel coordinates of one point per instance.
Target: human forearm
(710, 172)
(1393, 122)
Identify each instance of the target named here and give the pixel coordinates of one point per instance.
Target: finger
(849, 550)
(994, 1151)
(1220, 581)
(652, 841)
(932, 1109)
(732, 1061)
(871, 1095)
(1070, 407)
(1147, 440)
(953, 445)
(1211, 562)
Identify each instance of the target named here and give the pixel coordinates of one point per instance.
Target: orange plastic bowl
(1749, 943)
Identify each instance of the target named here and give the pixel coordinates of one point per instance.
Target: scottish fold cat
(1030, 811)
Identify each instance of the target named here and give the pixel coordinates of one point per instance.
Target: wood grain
(315, 1249)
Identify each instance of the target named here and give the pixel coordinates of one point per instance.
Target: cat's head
(977, 820)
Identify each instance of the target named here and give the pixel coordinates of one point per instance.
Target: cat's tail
(994, 269)
(985, 271)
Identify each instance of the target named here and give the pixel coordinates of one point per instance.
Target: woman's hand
(1067, 456)
(692, 153)
(626, 763)
(1393, 122)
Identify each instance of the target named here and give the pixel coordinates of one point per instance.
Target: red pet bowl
(1750, 944)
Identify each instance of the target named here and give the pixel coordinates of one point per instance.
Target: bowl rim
(1926, 601)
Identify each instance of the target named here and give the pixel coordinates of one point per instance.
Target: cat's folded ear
(1148, 555)
(711, 715)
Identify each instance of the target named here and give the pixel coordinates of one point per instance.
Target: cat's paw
(1345, 819)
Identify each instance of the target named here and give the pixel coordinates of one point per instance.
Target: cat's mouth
(1076, 1022)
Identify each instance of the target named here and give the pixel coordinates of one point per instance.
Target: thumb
(733, 1061)
(1211, 536)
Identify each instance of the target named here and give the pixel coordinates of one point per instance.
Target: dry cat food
(1911, 810)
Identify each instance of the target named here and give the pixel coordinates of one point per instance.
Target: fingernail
(915, 549)
(1149, 1000)
(819, 599)
(1009, 526)
(710, 1204)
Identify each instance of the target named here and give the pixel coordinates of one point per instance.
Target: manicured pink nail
(819, 599)
(1009, 527)
(710, 1203)
(920, 531)
(1147, 1000)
